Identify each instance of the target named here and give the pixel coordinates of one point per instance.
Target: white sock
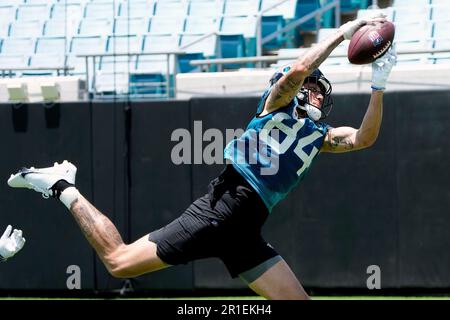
(68, 196)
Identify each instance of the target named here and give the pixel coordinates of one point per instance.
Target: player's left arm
(345, 139)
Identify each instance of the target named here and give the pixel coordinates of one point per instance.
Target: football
(370, 42)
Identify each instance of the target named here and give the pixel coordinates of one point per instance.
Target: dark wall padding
(386, 206)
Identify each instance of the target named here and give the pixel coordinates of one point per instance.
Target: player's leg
(277, 283)
(120, 259)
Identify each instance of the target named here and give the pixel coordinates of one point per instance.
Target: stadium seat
(87, 45)
(440, 12)
(137, 9)
(98, 10)
(306, 7)
(118, 63)
(244, 25)
(18, 46)
(287, 9)
(62, 11)
(46, 60)
(171, 8)
(166, 25)
(441, 57)
(413, 31)
(30, 12)
(206, 46)
(60, 27)
(402, 3)
(441, 29)
(4, 29)
(13, 61)
(205, 8)
(231, 46)
(12, 2)
(148, 84)
(26, 28)
(123, 44)
(367, 13)
(95, 27)
(241, 7)
(7, 13)
(270, 25)
(198, 25)
(125, 26)
(159, 43)
(47, 45)
(412, 14)
(111, 83)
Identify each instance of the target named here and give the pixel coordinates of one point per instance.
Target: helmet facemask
(312, 111)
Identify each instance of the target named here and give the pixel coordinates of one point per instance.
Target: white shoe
(42, 180)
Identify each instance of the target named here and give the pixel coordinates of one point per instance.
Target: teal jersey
(276, 151)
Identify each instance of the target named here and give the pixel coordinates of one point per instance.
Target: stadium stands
(37, 33)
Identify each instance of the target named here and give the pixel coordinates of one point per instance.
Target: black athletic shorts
(225, 223)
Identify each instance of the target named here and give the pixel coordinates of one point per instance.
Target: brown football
(370, 42)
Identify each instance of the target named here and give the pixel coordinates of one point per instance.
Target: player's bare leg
(121, 260)
(279, 283)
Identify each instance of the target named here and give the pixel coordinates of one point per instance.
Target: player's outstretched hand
(349, 28)
(381, 68)
(10, 244)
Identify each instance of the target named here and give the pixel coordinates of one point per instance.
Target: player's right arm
(285, 89)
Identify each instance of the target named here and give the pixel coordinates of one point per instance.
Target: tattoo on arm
(284, 91)
(339, 143)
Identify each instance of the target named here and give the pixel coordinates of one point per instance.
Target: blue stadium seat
(30, 12)
(238, 29)
(306, 7)
(171, 8)
(147, 84)
(47, 45)
(137, 9)
(95, 27)
(166, 25)
(124, 26)
(232, 46)
(205, 8)
(26, 28)
(123, 44)
(269, 25)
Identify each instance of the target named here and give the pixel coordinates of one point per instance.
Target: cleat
(42, 180)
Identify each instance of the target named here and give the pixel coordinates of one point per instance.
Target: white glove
(381, 68)
(10, 244)
(349, 28)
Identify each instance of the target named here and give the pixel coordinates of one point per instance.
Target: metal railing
(268, 59)
(8, 72)
(260, 41)
(90, 87)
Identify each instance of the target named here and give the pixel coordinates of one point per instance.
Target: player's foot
(43, 180)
